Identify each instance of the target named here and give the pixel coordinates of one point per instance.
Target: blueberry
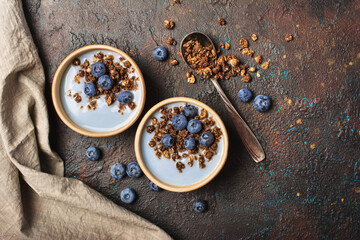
(93, 153)
(189, 143)
(206, 139)
(189, 111)
(133, 170)
(125, 97)
(179, 122)
(98, 69)
(262, 103)
(245, 95)
(194, 126)
(160, 53)
(118, 170)
(127, 195)
(153, 186)
(90, 89)
(105, 82)
(200, 206)
(168, 140)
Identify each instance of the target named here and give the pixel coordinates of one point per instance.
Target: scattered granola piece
(265, 65)
(244, 43)
(258, 74)
(191, 79)
(76, 62)
(171, 41)
(179, 54)
(288, 37)
(173, 62)
(180, 166)
(169, 24)
(227, 46)
(234, 62)
(221, 45)
(77, 79)
(251, 69)
(254, 37)
(221, 21)
(245, 51)
(188, 74)
(176, 1)
(258, 59)
(246, 78)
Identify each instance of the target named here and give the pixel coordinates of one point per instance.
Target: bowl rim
(148, 173)
(56, 97)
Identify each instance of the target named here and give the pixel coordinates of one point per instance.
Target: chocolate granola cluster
(205, 63)
(163, 126)
(118, 73)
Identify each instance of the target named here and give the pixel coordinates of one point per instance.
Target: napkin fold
(36, 201)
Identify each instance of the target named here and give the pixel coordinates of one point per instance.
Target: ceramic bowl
(105, 120)
(162, 171)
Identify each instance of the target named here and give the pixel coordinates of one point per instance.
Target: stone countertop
(308, 187)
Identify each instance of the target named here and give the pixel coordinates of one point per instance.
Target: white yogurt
(104, 118)
(165, 170)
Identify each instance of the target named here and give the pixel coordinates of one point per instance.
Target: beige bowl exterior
(55, 91)
(142, 128)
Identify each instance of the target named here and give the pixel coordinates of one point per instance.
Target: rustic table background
(308, 187)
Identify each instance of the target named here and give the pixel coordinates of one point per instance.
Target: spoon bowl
(196, 36)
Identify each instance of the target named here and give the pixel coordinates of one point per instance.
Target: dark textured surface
(308, 187)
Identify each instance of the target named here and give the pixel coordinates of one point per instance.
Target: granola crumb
(188, 74)
(258, 59)
(132, 105)
(246, 78)
(180, 166)
(221, 45)
(227, 46)
(173, 62)
(265, 65)
(258, 74)
(171, 41)
(76, 62)
(179, 54)
(169, 24)
(221, 21)
(191, 79)
(244, 43)
(251, 69)
(254, 37)
(77, 97)
(176, 2)
(288, 37)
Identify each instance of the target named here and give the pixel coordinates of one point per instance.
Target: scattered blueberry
(189, 143)
(179, 122)
(245, 95)
(200, 206)
(133, 170)
(168, 140)
(90, 89)
(194, 126)
(105, 82)
(206, 139)
(160, 53)
(153, 186)
(93, 153)
(125, 97)
(262, 103)
(127, 195)
(118, 170)
(98, 69)
(189, 111)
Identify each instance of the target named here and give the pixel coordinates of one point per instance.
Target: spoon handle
(247, 136)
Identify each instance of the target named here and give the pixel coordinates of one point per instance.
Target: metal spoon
(247, 136)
